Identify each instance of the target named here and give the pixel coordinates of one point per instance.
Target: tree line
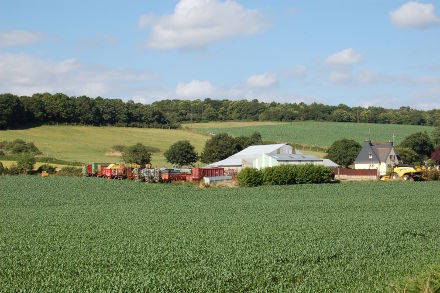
(45, 108)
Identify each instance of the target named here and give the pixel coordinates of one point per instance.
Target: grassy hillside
(90, 144)
(317, 133)
(90, 234)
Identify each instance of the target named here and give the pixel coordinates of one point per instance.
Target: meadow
(318, 133)
(91, 144)
(89, 234)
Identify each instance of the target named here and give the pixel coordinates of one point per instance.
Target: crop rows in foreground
(82, 234)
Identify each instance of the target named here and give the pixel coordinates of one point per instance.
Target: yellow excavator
(405, 172)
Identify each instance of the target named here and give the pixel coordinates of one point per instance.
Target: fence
(351, 174)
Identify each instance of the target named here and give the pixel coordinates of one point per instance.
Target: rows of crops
(323, 133)
(92, 234)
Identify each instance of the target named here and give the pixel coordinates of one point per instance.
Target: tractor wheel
(395, 176)
(407, 177)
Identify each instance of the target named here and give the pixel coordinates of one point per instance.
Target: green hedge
(285, 175)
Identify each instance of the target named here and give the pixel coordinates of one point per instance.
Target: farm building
(377, 156)
(262, 156)
(246, 157)
(271, 160)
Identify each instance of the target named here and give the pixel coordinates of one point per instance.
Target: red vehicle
(199, 173)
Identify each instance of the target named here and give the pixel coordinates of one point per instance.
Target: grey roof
(295, 157)
(329, 163)
(378, 152)
(248, 155)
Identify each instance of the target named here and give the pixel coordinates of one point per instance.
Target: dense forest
(24, 111)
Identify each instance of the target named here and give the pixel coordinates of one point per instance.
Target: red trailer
(199, 173)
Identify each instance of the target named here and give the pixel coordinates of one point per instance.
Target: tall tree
(344, 151)
(419, 142)
(219, 147)
(138, 154)
(181, 153)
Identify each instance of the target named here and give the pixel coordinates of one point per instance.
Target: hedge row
(285, 175)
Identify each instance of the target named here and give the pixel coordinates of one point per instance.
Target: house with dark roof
(377, 156)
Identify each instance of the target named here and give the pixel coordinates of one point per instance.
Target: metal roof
(248, 155)
(329, 163)
(296, 158)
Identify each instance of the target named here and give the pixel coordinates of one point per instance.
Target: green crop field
(89, 234)
(90, 144)
(318, 133)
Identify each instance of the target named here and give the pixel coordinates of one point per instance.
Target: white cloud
(266, 80)
(199, 23)
(194, 89)
(347, 56)
(340, 76)
(25, 75)
(414, 14)
(298, 71)
(18, 38)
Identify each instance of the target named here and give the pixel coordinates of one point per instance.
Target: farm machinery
(148, 173)
(405, 172)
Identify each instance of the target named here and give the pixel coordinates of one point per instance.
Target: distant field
(88, 234)
(318, 133)
(90, 144)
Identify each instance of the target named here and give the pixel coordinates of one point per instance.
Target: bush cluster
(18, 146)
(48, 168)
(285, 175)
(432, 175)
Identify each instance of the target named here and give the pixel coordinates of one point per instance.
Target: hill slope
(318, 133)
(90, 144)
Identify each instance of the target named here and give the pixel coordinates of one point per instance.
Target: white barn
(246, 157)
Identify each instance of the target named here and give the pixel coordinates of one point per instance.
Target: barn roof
(296, 158)
(248, 155)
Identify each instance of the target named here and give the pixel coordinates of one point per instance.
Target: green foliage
(250, 177)
(122, 148)
(420, 143)
(344, 151)
(137, 153)
(46, 167)
(290, 174)
(70, 171)
(111, 235)
(222, 145)
(26, 162)
(2, 169)
(409, 156)
(18, 146)
(181, 153)
(219, 147)
(432, 175)
(436, 137)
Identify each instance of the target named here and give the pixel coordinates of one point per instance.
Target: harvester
(405, 172)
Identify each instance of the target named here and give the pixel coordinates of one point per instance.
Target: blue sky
(381, 53)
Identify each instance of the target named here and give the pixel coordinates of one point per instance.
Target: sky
(359, 53)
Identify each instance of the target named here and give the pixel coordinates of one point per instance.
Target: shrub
(137, 153)
(250, 177)
(296, 174)
(432, 175)
(19, 146)
(48, 168)
(26, 162)
(2, 168)
(70, 171)
(12, 170)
